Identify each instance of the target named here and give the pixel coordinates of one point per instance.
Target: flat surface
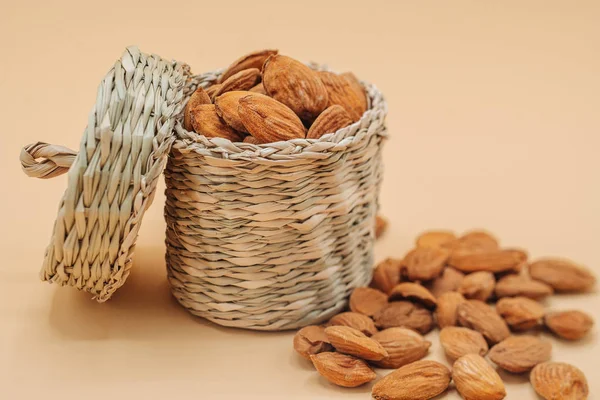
(494, 122)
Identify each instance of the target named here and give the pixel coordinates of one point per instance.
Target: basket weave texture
(274, 236)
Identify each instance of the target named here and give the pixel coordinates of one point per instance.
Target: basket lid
(112, 179)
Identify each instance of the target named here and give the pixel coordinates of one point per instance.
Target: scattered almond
(557, 380)
(404, 314)
(478, 285)
(492, 261)
(520, 353)
(520, 285)
(413, 292)
(475, 379)
(520, 313)
(447, 304)
(435, 239)
(207, 122)
(402, 345)
(343, 370)
(563, 275)
(458, 341)
(311, 340)
(367, 301)
(351, 341)
(425, 263)
(386, 275)
(381, 225)
(252, 60)
(354, 320)
(420, 380)
(227, 106)
(472, 242)
(449, 281)
(477, 315)
(571, 325)
(197, 98)
(329, 121)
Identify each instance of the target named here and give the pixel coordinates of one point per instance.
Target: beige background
(494, 122)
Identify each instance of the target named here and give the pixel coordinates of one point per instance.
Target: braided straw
(273, 236)
(113, 178)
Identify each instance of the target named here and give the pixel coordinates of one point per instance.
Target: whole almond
(295, 85)
(207, 122)
(478, 285)
(492, 261)
(425, 263)
(367, 301)
(381, 225)
(343, 370)
(557, 380)
(351, 341)
(341, 92)
(420, 380)
(358, 88)
(520, 285)
(404, 314)
(520, 353)
(458, 341)
(227, 106)
(243, 80)
(197, 98)
(213, 90)
(402, 345)
(571, 325)
(520, 313)
(259, 89)
(475, 379)
(472, 242)
(447, 305)
(386, 275)
(269, 120)
(253, 60)
(413, 292)
(435, 238)
(449, 281)
(354, 320)
(311, 340)
(563, 275)
(329, 121)
(477, 315)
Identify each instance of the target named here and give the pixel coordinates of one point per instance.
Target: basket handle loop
(43, 160)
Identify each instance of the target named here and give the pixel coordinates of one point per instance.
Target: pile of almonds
(265, 97)
(449, 281)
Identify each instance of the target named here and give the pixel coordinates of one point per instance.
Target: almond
(295, 85)
(206, 121)
(420, 380)
(435, 238)
(477, 315)
(520, 285)
(458, 341)
(367, 301)
(259, 89)
(343, 370)
(311, 340)
(557, 380)
(358, 88)
(404, 314)
(520, 313)
(447, 304)
(329, 121)
(354, 320)
(351, 341)
(492, 261)
(243, 80)
(449, 281)
(268, 120)
(571, 325)
(478, 285)
(197, 98)
(252, 60)
(413, 292)
(251, 139)
(472, 242)
(227, 106)
(386, 275)
(213, 90)
(381, 225)
(341, 92)
(425, 263)
(475, 379)
(402, 345)
(520, 353)
(563, 275)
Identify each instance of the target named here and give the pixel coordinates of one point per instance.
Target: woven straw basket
(265, 237)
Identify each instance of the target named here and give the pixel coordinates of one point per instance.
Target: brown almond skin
(425, 263)
(197, 98)
(251, 139)
(420, 380)
(413, 292)
(493, 261)
(458, 341)
(341, 92)
(477, 315)
(476, 241)
(329, 121)
(311, 340)
(354, 320)
(252, 60)
(351, 341)
(520, 353)
(259, 89)
(227, 106)
(207, 122)
(558, 381)
(386, 275)
(295, 85)
(213, 90)
(519, 285)
(402, 345)
(435, 239)
(367, 301)
(449, 281)
(269, 120)
(520, 313)
(381, 225)
(404, 314)
(243, 80)
(358, 88)
(478, 285)
(447, 304)
(570, 325)
(343, 370)
(562, 275)
(475, 379)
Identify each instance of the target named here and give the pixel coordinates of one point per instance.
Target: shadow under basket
(273, 236)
